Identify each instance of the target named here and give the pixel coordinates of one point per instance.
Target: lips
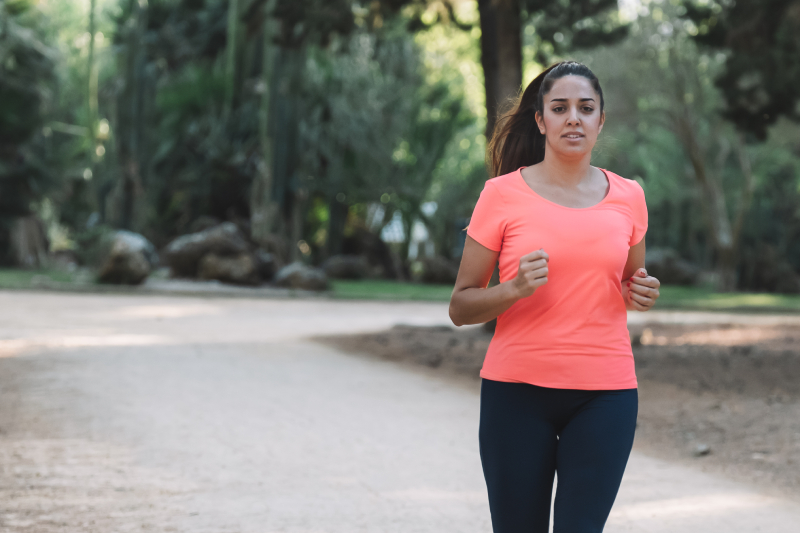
(573, 135)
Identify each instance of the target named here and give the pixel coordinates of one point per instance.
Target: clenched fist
(642, 290)
(532, 273)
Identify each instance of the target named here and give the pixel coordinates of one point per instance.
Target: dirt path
(129, 413)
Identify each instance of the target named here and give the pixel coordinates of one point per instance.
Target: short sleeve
(639, 214)
(488, 222)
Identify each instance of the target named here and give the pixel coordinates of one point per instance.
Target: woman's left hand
(642, 291)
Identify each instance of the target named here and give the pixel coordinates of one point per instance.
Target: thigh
(593, 450)
(518, 454)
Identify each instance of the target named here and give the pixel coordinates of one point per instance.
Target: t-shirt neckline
(537, 195)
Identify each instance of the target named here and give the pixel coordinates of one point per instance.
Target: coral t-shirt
(572, 332)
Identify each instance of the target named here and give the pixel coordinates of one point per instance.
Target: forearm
(476, 306)
(626, 297)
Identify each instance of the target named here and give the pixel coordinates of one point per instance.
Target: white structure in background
(421, 244)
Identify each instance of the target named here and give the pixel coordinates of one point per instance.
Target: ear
(540, 122)
(602, 121)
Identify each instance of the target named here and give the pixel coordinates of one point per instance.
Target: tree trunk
(262, 205)
(337, 217)
(297, 218)
(91, 86)
(132, 104)
(29, 244)
(501, 54)
(231, 55)
(724, 233)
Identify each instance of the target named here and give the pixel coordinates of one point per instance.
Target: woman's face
(571, 120)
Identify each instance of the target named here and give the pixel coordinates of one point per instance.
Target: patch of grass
(672, 297)
(374, 289)
(14, 278)
(676, 297)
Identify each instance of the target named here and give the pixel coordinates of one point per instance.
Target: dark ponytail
(516, 140)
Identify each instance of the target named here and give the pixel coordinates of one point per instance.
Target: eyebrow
(565, 99)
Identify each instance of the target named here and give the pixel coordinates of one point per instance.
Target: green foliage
(373, 127)
(93, 244)
(761, 41)
(26, 77)
(563, 25)
(313, 21)
(203, 162)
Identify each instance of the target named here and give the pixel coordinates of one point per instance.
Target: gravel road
(153, 413)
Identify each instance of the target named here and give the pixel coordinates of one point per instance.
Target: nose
(572, 118)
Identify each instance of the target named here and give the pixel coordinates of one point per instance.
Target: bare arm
(473, 303)
(639, 290)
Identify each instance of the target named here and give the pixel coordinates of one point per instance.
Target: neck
(569, 171)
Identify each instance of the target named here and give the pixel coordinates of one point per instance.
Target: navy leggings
(528, 433)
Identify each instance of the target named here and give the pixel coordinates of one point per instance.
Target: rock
(184, 253)
(266, 264)
(434, 270)
(666, 265)
(140, 242)
(128, 261)
(701, 450)
(241, 269)
(299, 276)
(346, 267)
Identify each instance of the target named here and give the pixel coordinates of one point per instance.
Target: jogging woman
(558, 390)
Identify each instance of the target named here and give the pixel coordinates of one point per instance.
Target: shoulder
(503, 186)
(624, 185)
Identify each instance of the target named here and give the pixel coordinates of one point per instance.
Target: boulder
(666, 265)
(141, 243)
(184, 253)
(346, 267)
(434, 270)
(299, 276)
(240, 269)
(129, 260)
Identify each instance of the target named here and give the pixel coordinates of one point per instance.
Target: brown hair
(516, 140)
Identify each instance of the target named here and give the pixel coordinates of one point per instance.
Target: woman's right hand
(532, 273)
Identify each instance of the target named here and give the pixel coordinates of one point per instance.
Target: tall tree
(501, 53)
(761, 39)
(131, 110)
(27, 73)
(263, 207)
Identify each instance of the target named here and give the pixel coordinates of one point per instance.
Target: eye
(558, 109)
(588, 109)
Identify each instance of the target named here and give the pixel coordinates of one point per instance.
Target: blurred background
(301, 142)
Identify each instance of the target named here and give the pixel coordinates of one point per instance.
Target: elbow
(454, 315)
(454, 318)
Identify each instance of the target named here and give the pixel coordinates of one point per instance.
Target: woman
(558, 389)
